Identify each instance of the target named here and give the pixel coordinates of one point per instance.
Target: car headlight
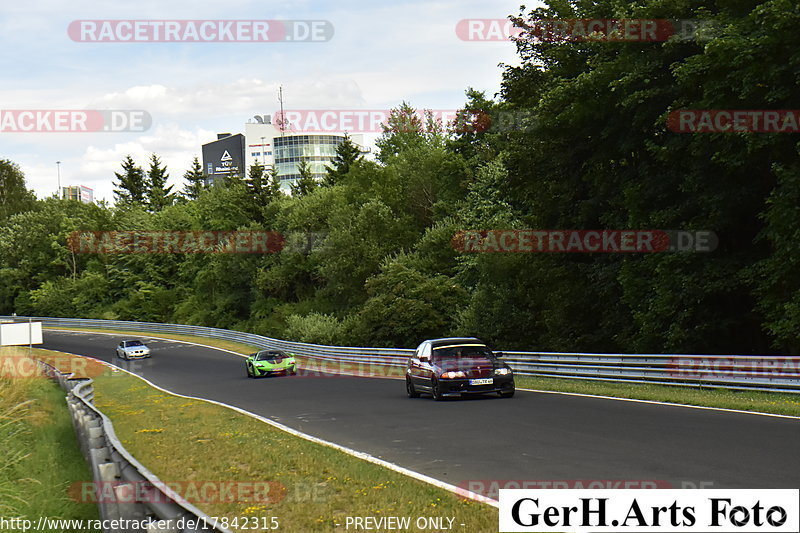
(454, 374)
(502, 371)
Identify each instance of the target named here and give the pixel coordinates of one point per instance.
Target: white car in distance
(132, 350)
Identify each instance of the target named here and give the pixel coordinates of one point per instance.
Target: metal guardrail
(738, 372)
(127, 490)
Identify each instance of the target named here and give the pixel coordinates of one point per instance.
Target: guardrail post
(105, 474)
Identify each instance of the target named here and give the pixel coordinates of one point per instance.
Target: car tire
(249, 374)
(293, 371)
(509, 394)
(436, 391)
(410, 390)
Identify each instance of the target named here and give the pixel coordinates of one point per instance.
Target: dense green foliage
(368, 257)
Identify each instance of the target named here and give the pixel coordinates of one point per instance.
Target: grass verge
(762, 402)
(41, 457)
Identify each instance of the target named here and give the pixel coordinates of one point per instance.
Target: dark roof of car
(454, 340)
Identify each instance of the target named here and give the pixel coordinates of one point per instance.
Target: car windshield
(464, 351)
(134, 343)
(268, 356)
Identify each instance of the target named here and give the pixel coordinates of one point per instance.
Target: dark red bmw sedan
(455, 366)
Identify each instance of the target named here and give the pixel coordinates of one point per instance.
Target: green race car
(268, 362)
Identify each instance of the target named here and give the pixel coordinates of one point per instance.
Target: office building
(263, 142)
(224, 157)
(78, 193)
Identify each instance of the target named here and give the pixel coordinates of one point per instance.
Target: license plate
(481, 381)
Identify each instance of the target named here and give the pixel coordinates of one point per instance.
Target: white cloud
(242, 97)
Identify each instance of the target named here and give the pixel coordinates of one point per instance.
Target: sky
(380, 54)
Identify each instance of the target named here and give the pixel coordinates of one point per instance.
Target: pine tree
(347, 153)
(256, 182)
(270, 186)
(159, 195)
(306, 182)
(132, 185)
(195, 180)
(273, 186)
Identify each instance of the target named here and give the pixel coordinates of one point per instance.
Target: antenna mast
(283, 117)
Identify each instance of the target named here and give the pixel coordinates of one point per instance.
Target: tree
(306, 182)
(273, 186)
(347, 153)
(775, 278)
(404, 130)
(159, 195)
(263, 184)
(256, 182)
(601, 156)
(195, 180)
(132, 185)
(478, 129)
(35, 248)
(404, 306)
(14, 196)
(269, 189)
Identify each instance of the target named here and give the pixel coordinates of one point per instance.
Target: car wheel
(249, 373)
(293, 371)
(410, 390)
(436, 390)
(509, 394)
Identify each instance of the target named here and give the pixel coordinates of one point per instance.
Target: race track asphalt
(533, 436)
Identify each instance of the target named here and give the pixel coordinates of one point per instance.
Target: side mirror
(498, 354)
(425, 358)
